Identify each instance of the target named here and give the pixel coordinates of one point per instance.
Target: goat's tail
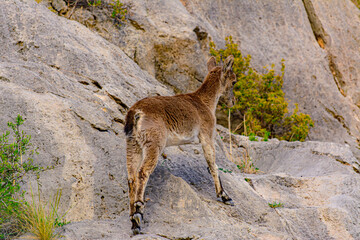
(130, 121)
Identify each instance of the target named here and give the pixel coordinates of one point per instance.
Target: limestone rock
(59, 5)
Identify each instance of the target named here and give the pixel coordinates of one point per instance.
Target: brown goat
(156, 122)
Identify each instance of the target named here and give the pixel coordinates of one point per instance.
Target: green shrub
(16, 161)
(260, 100)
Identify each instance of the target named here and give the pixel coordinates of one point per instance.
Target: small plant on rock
(246, 163)
(225, 170)
(275, 204)
(252, 137)
(266, 136)
(119, 11)
(94, 3)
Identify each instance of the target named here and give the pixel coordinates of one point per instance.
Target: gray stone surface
(342, 32)
(73, 87)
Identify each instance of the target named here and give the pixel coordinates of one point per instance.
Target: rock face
(74, 87)
(319, 41)
(160, 36)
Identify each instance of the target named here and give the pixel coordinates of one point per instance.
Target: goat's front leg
(209, 152)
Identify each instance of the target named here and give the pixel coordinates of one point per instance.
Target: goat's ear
(211, 63)
(228, 63)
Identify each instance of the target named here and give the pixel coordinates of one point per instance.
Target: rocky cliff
(319, 41)
(74, 85)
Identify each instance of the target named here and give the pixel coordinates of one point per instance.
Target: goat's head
(227, 80)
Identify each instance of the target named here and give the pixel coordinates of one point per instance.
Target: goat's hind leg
(151, 152)
(133, 161)
(209, 152)
(150, 155)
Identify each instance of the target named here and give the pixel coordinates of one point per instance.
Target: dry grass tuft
(41, 218)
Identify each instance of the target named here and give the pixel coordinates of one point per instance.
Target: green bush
(260, 100)
(16, 161)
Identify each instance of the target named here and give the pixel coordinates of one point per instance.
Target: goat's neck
(210, 91)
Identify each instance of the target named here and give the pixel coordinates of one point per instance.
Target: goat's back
(179, 114)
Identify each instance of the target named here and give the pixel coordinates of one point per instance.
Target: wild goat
(156, 122)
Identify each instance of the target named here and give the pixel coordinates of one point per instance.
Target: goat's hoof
(136, 222)
(227, 201)
(136, 231)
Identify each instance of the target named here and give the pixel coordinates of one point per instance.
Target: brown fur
(156, 122)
